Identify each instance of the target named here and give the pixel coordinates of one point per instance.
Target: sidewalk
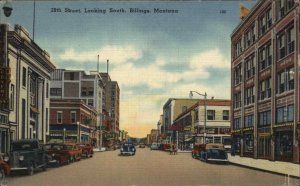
(278, 167)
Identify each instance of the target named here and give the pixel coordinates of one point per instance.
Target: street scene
(149, 93)
(147, 168)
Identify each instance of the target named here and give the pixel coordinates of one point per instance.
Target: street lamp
(7, 9)
(205, 110)
(64, 135)
(78, 132)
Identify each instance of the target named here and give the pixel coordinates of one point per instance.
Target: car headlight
(21, 158)
(53, 155)
(121, 149)
(6, 158)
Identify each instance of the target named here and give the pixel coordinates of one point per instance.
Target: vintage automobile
(197, 149)
(26, 155)
(4, 170)
(74, 152)
(142, 145)
(87, 149)
(57, 153)
(127, 149)
(214, 153)
(154, 146)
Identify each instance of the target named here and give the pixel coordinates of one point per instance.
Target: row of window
(284, 82)
(60, 117)
(283, 115)
(264, 24)
(211, 115)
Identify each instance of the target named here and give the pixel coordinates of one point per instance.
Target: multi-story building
(265, 82)
(76, 84)
(207, 121)
(25, 82)
(171, 110)
(72, 121)
(112, 101)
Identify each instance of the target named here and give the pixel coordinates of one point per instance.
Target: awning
(188, 139)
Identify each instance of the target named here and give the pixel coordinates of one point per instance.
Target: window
(250, 67)
(59, 117)
(249, 95)
(264, 118)
(265, 22)
(196, 115)
(237, 74)
(73, 117)
(237, 100)
(23, 118)
(281, 8)
(91, 102)
(265, 56)
(269, 18)
(238, 48)
(285, 114)
(72, 76)
(83, 91)
(285, 80)
(47, 119)
(281, 82)
(290, 40)
(265, 89)
(225, 114)
(12, 97)
(237, 123)
(210, 114)
(47, 90)
(249, 121)
(91, 91)
(24, 76)
(55, 92)
(249, 37)
(281, 46)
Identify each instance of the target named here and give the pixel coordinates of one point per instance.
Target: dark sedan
(127, 149)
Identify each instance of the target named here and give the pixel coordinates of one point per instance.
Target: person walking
(171, 148)
(174, 148)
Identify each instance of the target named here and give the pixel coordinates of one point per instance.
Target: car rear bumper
(127, 153)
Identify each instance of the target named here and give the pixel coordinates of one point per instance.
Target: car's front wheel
(30, 169)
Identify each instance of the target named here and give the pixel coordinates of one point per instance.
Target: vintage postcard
(149, 93)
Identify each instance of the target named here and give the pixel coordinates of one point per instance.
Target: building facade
(72, 121)
(76, 84)
(25, 108)
(171, 110)
(111, 102)
(207, 121)
(265, 82)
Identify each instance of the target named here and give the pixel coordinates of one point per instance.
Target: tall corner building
(111, 100)
(265, 82)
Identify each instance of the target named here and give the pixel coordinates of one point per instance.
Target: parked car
(214, 153)
(142, 145)
(74, 152)
(87, 150)
(27, 155)
(197, 149)
(4, 170)
(128, 149)
(57, 153)
(154, 146)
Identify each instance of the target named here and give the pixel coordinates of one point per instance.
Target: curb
(263, 170)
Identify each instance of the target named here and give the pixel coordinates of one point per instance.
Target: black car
(127, 149)
(26, 155)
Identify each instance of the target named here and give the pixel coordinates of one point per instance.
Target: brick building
(265, 82)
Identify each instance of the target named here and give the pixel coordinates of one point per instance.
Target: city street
(147, 168)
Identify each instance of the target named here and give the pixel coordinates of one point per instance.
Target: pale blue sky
(152, 56)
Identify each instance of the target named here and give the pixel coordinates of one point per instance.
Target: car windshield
(23, 146)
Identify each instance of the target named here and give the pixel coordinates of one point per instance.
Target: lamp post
(205, 110)
(78, 132)
(64, 135)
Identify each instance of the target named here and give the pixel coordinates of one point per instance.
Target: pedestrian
(171, 148)
(175, 149)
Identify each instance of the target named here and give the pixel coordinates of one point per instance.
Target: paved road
(147, 168)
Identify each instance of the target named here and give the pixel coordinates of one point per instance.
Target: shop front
(284, 145)
(248, 143)
(236, 142)
(264, 143)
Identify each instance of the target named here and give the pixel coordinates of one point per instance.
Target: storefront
(284, 145)
(4, 133)
(236, 143)
(248, 143)
(264, 143)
